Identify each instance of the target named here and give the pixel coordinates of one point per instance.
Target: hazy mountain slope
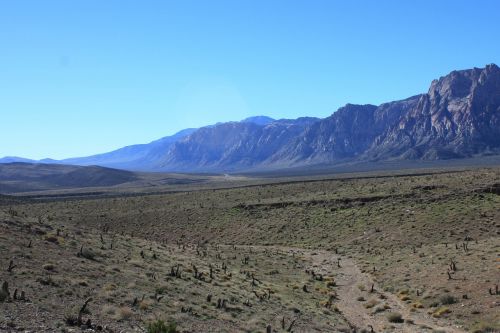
(344, 134)
(21, 177)
(145, 157)
(258, 120)
(14, 159)
(135, 157)
(233, 145)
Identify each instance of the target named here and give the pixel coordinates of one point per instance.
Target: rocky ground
(411, 253)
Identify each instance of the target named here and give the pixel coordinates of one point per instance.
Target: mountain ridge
(458, 117)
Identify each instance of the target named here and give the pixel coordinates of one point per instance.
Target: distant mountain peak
(258, 120)
(356, 107)
(492, 66)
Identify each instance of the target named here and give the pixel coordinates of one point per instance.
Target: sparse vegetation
(447, 300)
(395, 317)
(287, 249)
(483, 327)
(439, 312)
(160, 326)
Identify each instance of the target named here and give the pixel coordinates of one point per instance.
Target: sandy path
(348, 277)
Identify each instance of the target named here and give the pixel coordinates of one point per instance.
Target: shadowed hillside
(23, 177)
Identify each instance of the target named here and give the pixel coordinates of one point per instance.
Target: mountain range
(458, 117)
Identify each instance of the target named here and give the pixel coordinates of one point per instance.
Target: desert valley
(225, 166)
(411, 245)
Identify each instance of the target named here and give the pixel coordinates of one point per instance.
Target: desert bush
(161, 290)
(144, 304)
(447, 299)
(483, 327)
(395, 317)
(371, 303)
(49, 267)
(440, 312)
(88, 254)
(53, 239)
(434, 304)
(82, 283)
(71, 319)
(47, 281)
(125, 313)
(403, 292)
(330, 284)
(4, 292)
(379, 308)
(109, 310)
(109, 287)
(160, 326)
(417, 305)
(72, 316)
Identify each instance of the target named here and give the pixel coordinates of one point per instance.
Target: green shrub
(434, 304)
(3, 296)
(395, 317)
(88, 254)
(160, 326)
(447, 299)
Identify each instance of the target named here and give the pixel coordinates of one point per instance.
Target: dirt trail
(349, 277)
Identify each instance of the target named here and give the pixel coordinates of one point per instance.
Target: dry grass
(404, 231)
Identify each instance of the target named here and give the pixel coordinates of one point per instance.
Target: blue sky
(87, 76)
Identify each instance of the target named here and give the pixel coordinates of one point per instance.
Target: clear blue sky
(86, 76)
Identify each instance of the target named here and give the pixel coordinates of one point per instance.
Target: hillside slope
(23, 177)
